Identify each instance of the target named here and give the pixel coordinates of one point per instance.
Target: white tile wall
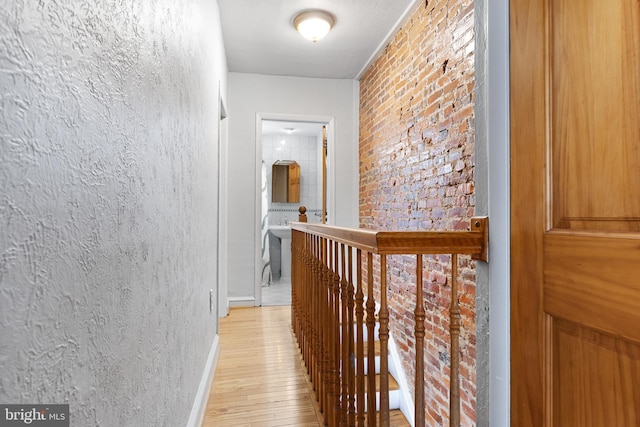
(306, 150)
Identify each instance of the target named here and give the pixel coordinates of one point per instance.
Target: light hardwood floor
(259, 380)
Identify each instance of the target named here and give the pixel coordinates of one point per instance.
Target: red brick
(417, 169)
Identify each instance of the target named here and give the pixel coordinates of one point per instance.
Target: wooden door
(575, 221)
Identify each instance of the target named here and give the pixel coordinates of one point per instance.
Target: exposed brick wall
(416, 173)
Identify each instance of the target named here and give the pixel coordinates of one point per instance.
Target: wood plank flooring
(259, 380)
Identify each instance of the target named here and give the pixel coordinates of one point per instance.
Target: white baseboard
(242, 301)
(200, 404)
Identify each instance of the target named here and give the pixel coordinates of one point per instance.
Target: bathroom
(289, 141)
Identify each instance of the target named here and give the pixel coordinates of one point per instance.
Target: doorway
(287, 138)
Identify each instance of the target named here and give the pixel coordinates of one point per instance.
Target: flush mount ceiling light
(314, 24)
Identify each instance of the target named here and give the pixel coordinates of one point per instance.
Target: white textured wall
(108, 154)
(251, 94)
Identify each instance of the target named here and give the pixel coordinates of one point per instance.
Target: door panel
(596, 378)
(575, 222)
(594, 280)
(594, 63)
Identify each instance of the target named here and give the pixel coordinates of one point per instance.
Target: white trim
(407, 406)
(202, 396)
(499, 211)
(390, 35)
(223, 202)
(242, 302)
(257, 242)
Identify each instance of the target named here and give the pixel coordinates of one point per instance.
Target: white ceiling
(260, 39)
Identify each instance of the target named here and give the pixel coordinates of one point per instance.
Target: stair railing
(329, 308)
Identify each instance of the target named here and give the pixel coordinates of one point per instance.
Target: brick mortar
(417, 173)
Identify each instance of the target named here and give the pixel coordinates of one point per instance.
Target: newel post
(302, 217)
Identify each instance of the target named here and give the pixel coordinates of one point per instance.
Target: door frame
(492, 23)
(492, 187)
(331, 181)
(222, 309)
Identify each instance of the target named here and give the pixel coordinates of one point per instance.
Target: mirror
(285, 182)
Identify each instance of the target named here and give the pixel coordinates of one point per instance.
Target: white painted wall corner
(407, 407)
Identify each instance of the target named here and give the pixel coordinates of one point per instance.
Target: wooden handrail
(472, 242)
(331, 318)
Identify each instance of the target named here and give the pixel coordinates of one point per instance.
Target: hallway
(259, 379)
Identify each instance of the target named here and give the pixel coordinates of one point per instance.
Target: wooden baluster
(335, 334)
(317, 324)
(351, 410)
(384, 343)
(310, 295)
(345, 336)
(320, 326)
(311, 325)
(297, 296)
(326, 330)
(359, 341)
(299, 293)
(295, 281)
(303, 300)
(332, 331)
(308, 301)
(454, 372)
(371, 351)
(324, 318)
(322, 305)
(420, 316)
(309, 289)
